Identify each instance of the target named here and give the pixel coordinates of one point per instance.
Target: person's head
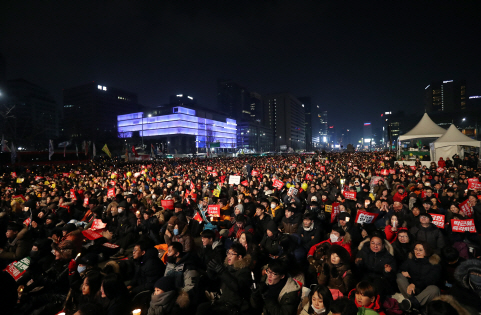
(337, 234)
(260, 210)
(139, 250)
(416, 211)
(307, 220)
(450, 254)
(113, 287)
(338, 255)
(240, 221)
(421, 250)
(365, 294)
(320, 298)
(403, 236)
(289, 212)
(12, 230)
(174, 252)
(276, 271)
(376, 244)
(92, 282)
(235, 253)
(164, 284)
(454, 208)
(425, 219)
(208, 237)
(343, 306)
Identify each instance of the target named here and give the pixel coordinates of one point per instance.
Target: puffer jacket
(372, 264)
(186, 277)
(162, 304)
(18, 248)
(423, 272)
(336, 276)
(285, 304)
(148, 269)
(431, 235)
(290, 225)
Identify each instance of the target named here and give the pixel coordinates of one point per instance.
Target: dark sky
(355, 59)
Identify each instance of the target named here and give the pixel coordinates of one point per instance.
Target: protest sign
(18, 268)
(98, 225)
(234, 180)
(111, 193)
(293, 191)
(110, 245)
(463, 225)
(91, 235)
(465, 207)
(278, 184)
(365, 217)
(167, 204)
(213, 210)
(335, 211)
(438, 220)
(351, 195)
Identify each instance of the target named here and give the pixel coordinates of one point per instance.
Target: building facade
(185, 130)
(90, 111)
(254, 136)
(287, 121)
(446, 96)
(234, 99)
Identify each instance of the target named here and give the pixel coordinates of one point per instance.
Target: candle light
(136, 312)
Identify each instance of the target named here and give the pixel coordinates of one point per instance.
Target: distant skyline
(354, 59)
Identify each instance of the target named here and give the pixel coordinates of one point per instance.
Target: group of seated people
(179, 240)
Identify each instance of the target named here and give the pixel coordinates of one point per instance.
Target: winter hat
(166, 283)
(344, 216)
(341, 252)
(69, 227)
(240, 207)
(464, 273)
(90, 259)
(272, 226)
(427, 215)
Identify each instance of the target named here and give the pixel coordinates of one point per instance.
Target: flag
(50, 150)
(106, 150)
(134, 151)
(94, 152)
(76, 149)
(14, 154)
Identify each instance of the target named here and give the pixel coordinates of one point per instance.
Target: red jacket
(441, 162)
(344, 243)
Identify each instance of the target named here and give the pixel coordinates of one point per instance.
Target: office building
(308, 121)
(184, 130)
(254, 137)
(91, 110)
(323, 127)
(445, 96)
(234, 99)
(287, 120)
(256, 107)
(34, 118)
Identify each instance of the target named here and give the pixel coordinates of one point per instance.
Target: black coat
(372, 264)
(431, 235)
(148, 269)
(423, 272)
(309, 238)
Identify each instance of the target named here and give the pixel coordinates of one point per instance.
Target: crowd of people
(324, 233)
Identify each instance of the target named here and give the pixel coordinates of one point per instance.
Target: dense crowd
(328, 233)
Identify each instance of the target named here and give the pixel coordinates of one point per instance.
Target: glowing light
(473, 97)
(367, 124)
(427, 87)
(180, 95)
(447, 81)
(190, 97)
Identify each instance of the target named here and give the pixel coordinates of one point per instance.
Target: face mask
(239, 200)
(81, 269)
(333, 238)
(176, 231)
(273, 205)
(317, 310)
(120, 210)
(171, 259)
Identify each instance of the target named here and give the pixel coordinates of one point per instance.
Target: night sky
(355, 59)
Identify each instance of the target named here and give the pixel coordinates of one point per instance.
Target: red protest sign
(438, 220)
(391, 171)
(209, 168)
(466, 208)
(463, 225)
(254, 173)
(309, 177)
(111, 193)
(335, 211)
(440, 169)
(98, 225)
(18, 268)
(13, 174)
(412, 167)
(37, 178)
(91, 235)
(365, 217)
(213, 210)
(214, 174)
(198, 217)
(27, 222)
(245, 183)
(110, 245)
(323, 168)
(351, 195)
(167, 204)
(72, 195)
(294, 165)
(86, 201)
(384, 172)
(65, 174)
(318, 163)
(474, 184)
(278, 184)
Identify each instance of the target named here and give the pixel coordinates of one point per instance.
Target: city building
(256, 108)
(287, 120)
(308, 121)
(367, 134)
(234, 99)
(323, 127)
(445, 96)
(90, 111)
(254, 136)
(34, 115)
(184, 130)
(182, 100)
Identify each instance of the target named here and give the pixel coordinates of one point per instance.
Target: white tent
(451, 143)
(426, 128)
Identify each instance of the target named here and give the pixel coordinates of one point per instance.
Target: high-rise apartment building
(446, 96)
(234, 99)
(91, 110)
(308, 121)
(287, 120)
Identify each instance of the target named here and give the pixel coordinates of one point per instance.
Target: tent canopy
(425, 128)
(455, 137)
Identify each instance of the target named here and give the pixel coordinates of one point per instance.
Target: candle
(136, 312)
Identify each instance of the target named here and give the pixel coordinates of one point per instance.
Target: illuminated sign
(367, 124)
(473, 97)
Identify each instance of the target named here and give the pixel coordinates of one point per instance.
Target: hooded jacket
(285, 304)
(186, 277)
(17, 248)
(423, 272)
(345, 242)
(463, 289)
(148, 269)
(375, 306)
(372, 264)
(336, 276)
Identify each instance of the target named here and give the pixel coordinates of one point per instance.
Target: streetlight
(464, 119)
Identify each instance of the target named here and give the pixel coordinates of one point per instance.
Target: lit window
(104, 88)
(99, 87)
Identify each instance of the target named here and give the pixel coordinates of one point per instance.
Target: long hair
(325, 293)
